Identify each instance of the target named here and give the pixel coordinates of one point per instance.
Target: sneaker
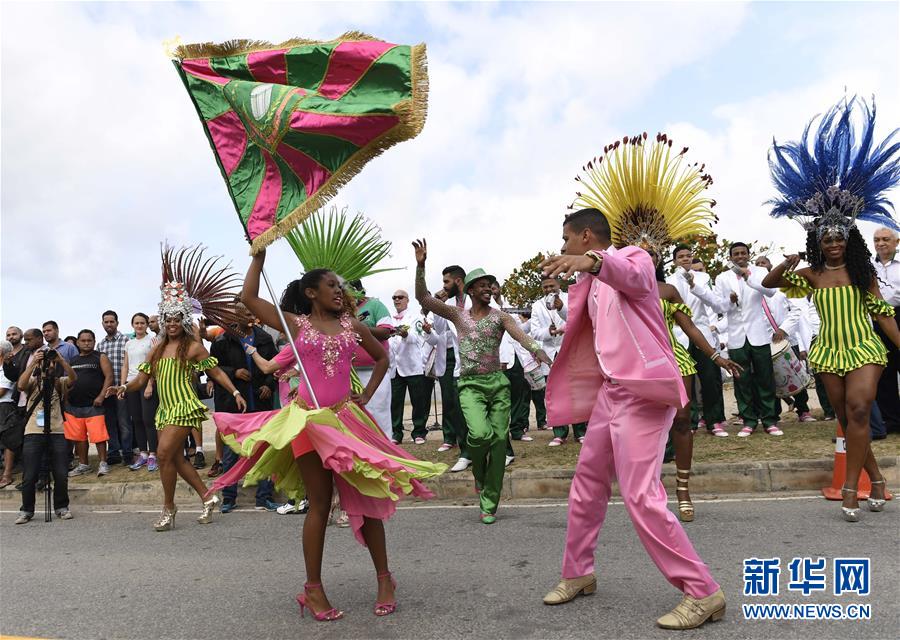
(287, 508)
(140, 462)
(701, 424)
(773, 430)
(228, 507)
(199, 460)
(806, 416)
(509, 460)
(445, 447)
(525, 439)
(103, 469)
(746, 431)
(543, 427)
(73, 463)
(829, 418)
(718, 430)
(24, 517)
(303, 506)
(419, 440)
(64, 514)
(461, 465)
(80, 470)
(151, 463)
(580, 439)
(268, 505)
(556, 442)
(215, 470)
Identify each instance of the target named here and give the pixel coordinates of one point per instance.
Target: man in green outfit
(483, 389)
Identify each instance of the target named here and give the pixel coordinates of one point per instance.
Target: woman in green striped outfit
(681, 434)
(847, 354)
(173, 364)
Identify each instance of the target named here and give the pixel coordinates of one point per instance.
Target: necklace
(840, 266)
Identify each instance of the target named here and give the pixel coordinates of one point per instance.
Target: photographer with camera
(45, 382)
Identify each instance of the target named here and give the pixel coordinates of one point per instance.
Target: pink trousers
(625, 439)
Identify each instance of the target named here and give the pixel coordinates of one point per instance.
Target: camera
(50, 354)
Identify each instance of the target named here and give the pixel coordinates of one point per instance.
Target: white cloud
(103, 155)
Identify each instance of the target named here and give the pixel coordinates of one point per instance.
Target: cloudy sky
(103, 156)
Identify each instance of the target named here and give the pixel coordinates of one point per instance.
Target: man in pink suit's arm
(616, 370)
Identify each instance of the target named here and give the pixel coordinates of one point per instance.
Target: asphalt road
(109, 575)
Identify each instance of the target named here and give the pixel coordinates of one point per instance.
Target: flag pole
(287, 333)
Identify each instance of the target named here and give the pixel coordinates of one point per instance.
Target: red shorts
(92, 429)
(301, 445)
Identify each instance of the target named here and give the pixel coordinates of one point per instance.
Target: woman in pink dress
(310, 450)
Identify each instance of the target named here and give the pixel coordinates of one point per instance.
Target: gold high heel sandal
(876, 504)
(208, 507)
(850, 514)
(685, 507)
(166, 520)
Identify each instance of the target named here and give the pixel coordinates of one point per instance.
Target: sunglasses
(398, 297)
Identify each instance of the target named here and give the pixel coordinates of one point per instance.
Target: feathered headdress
(351, 247)
(194, 284)
(836, 175)
(650, 196)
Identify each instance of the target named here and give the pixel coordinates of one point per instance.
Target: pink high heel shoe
(386, 608)
(326, 616)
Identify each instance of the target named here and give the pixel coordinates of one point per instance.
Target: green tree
(523, 286)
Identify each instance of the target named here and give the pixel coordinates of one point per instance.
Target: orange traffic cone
(839, 474)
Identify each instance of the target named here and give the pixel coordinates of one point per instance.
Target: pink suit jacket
(630, 346)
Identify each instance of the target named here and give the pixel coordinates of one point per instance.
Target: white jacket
(746, 319)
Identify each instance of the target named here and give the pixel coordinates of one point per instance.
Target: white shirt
(701, 315)
(436, 344)
(447, 329)
(542, 318)
(6, 383)
(746, 319)
(889, 279)
(138, 351)
(408, 354)
(786, 316)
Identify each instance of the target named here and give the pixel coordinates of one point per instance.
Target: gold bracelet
(597, 258)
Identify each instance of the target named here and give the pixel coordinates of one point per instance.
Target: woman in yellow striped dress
(848, 355)
(190, 285)
(682, 435)
(833, 176)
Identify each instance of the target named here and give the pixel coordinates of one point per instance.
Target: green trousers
(419, 388)
(485, 404)
(712, 408)
(453, 423)
(577, 429)
(540, 408)
(755, 389)
(520, 399)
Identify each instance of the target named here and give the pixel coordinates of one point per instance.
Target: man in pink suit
(616, 370)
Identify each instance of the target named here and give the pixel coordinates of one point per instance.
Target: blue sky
(103, 157)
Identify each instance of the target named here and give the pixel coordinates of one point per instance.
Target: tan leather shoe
(691, 612)
(568, 589)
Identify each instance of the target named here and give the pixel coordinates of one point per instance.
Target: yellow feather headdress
(650, 196)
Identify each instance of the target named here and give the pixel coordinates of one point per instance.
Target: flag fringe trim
(244, 46)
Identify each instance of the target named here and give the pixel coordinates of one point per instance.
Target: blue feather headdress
(835, 175)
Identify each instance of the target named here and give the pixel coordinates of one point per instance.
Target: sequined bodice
(327, 360)
(479, 343)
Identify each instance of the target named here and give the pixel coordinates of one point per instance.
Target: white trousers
(380, 403)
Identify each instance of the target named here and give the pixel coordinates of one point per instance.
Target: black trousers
(33, 448)
(888, 394)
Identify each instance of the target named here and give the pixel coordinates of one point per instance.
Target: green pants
(578, 429)
(520, 399)
(453, 424)
(419, 397)
(755, 389)
(713, 404)
(485, 404)
(540, 409)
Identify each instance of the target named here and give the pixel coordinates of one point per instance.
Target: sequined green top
(479, 340)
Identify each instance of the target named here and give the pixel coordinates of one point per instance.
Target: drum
(791, 374)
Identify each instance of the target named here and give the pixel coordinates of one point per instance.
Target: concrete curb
(708, 480)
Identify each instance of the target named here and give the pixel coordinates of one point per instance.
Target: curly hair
(184, 344)
(857, 257)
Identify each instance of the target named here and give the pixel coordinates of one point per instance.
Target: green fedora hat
(472, 276)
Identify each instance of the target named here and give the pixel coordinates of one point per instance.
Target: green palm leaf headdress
(349, 246)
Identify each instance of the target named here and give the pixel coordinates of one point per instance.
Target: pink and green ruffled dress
(371, 473)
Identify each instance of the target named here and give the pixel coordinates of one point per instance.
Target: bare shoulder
(667, 291)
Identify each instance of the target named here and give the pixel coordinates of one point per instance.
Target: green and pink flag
(291, 123)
